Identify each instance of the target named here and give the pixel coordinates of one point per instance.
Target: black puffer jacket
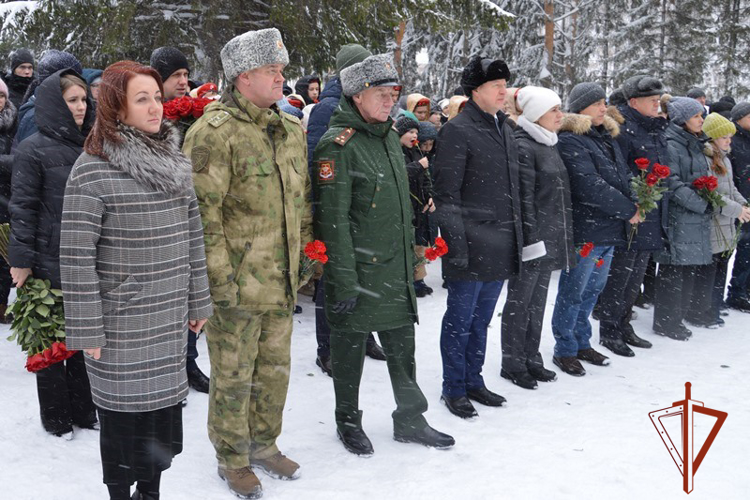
(740, 158)
(40, 172)
(8, 125)
(420, 192)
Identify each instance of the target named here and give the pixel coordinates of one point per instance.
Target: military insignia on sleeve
(344, 136)
(199, 156)
(326, 172)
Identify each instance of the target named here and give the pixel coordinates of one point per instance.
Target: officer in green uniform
(363, 214)
(251, 179)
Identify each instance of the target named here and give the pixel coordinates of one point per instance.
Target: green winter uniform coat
(364, 216)
(253, 188)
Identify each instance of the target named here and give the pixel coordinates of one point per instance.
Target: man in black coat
(738, 296)
(643, 135)
(476, 192)
(20, 76)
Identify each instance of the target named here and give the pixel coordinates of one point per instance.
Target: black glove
(344, 306)
(461, 263)
(709, 209)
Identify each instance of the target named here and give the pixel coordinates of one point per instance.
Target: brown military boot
(243, 482)
(278, 466)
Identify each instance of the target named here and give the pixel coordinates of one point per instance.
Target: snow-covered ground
(577, 438)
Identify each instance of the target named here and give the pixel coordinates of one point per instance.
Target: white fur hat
(375, 71)
(251, 50)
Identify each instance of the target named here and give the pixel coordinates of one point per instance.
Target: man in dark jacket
(21, 75)
(317, 125)
(643, 135)
(477, 195)
(363, 214)
(600, 189)
(738, 296)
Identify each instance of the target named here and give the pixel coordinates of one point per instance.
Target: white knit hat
(251, 50)
(536, 101)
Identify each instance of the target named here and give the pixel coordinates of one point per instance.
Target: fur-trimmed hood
(153, 160)
(581, 124)
(614, 113)
(8, 117)
(709, 150)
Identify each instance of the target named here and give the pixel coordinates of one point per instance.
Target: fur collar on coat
(7, 117)
(581, 124)
(153, 160)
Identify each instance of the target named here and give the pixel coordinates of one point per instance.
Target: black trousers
(621, 291)
(675, 293)
(703, 305)
(6, 282)
(522, 320)
(65, 396)
(649, 282)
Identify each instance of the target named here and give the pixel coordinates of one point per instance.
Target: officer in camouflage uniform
(251, 178)
(364, 216)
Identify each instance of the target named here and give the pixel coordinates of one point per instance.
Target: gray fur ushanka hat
(251, 50)
(375, 71)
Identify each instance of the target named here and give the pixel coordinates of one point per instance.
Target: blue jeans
(576, 297)
(463, 338)
(738, 287)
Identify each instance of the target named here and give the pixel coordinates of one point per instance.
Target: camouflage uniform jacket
(364, 216)
(253, 188)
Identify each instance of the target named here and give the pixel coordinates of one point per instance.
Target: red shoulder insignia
(344, 136)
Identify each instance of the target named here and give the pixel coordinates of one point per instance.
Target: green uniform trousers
(347, 359)
(250, 361)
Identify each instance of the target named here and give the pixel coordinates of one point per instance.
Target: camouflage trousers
(250, 361)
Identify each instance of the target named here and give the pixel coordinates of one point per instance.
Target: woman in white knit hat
(544, 175)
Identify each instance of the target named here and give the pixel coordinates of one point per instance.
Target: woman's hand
(745, 214)
(430, 206)
(20, 275)
(93, 353)
(197, 324)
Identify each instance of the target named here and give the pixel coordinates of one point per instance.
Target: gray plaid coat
(133, 269)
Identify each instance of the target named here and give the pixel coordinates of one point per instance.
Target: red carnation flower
(586, 249)
(661, 171)
(431, 254)
(600, 263)
(642, 163)
(652, 179)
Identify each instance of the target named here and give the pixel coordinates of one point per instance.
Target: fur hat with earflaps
(375, 71)
(251, 50)
(480, 71)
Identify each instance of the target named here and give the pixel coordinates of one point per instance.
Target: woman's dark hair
(112, 100)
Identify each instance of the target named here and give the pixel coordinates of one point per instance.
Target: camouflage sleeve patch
(219, 119)
(344, 136)
(199, 155)
(326, 171)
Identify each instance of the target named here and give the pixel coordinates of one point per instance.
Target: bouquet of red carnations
(706, 188)
(648, 189)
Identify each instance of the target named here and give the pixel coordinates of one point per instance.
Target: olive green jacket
(363, 214)
(253, 188)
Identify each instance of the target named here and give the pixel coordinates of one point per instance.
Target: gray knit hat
(351, 53)
(584, 95)
(427, 132)
(740, 111)
(375, 71)
(251, 50)
(405, 124)
(696, 92)
(681, 109)
(642, 86)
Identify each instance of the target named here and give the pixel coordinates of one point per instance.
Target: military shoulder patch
(326, 172)
(344, 136)
(199, 156)
(219, 119)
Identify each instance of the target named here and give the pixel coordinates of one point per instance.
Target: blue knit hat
(681, 109)
(54, 60)
(427, 132)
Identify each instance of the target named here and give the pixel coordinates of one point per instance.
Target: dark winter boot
(541, 374)
(355, 441)
(324, 362)
(739, 304)
(521, 379)
(634, 340)
(593, 357)
(373, 350)
(485, 397)
(570, 365)
(618, 347)
(460, 407)
(197, 379)
(427, 437)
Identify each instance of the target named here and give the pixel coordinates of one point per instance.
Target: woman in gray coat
(133, 276)
(689, 223)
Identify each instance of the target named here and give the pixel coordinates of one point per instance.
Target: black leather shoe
(632, 339)
(617, 346)
(356, 441)
(521, 379)
(541, 374)
(198, 380)
(428, 437)
(593, 357)
(486, 397)
(570, 365)
(324, 362)
(460, 407)
(374, 350)
(738, 304)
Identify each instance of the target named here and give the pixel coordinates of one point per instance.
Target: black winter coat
(477, 195)
(317, 123)
(740, 158)
(17, 86)
(40, 172)
(545, 179)
(645, 137)
(420, 192)
(8, 124)
(599, 181)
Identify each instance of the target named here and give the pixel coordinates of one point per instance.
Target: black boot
(356, 441)
(460, 407)
(197, 379)
(486, 397)
(374, 350)
(631, 338)
(541, 374)
(428, 437)
(570, 365)
(617, 346)
(521, 379)
(324, 362)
